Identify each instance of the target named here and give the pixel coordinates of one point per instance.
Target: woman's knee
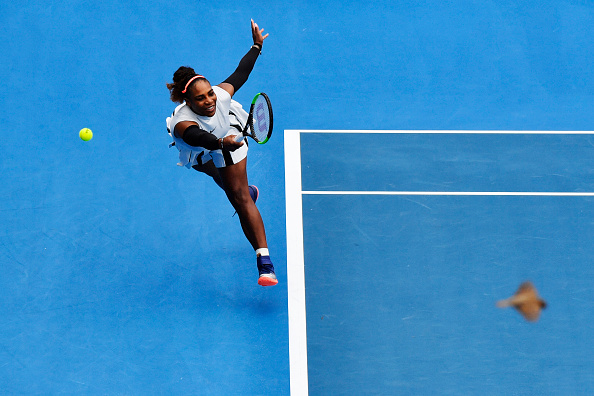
(239, 195)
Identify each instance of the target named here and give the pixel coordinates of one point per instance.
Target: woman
(204, 128)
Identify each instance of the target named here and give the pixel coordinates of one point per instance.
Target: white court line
(295, 267)
(295, 255)
(456, 193)
(290, 131)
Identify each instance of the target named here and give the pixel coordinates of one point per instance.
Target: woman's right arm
(195, 136)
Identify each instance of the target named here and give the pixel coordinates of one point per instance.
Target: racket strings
(261, 121)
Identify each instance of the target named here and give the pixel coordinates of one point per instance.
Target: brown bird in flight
(526, 301)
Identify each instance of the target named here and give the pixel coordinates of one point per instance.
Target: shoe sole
(266, 281)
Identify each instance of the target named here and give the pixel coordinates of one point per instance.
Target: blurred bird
(526, 301)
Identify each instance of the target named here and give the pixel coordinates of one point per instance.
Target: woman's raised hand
(257, 34)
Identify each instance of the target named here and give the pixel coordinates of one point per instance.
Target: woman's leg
(211, 170)
(235, 183)
(233, 180)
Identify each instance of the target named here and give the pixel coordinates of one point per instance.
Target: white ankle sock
(262, 252)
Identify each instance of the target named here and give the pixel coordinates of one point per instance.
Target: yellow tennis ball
(86, 134)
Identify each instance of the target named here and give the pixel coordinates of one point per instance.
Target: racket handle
(239, 138)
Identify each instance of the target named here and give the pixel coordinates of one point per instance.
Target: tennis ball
(86, 134)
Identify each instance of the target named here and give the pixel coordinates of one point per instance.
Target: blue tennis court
(123, 274)
(409, 238)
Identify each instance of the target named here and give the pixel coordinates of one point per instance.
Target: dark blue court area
(403, 268)
(124, 274)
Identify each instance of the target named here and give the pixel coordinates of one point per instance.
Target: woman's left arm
(246, 65)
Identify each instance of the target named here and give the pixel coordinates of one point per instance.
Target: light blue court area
(123, 274)
(409, 238)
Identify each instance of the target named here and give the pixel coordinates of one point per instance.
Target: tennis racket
(259, 122)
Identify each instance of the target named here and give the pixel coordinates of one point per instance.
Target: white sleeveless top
(229, 119)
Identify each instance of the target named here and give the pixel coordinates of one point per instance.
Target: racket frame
(248, 130)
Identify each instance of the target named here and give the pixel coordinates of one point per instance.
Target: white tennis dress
(229, 119)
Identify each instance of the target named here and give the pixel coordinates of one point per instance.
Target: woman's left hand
(257, 34)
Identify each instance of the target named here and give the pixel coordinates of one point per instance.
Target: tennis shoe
(266, 270)
(254, 193)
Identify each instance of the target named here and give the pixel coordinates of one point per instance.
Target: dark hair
(180, 79)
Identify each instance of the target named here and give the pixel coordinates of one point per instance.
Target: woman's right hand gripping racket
(259, 122)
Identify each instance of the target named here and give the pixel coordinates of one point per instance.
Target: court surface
(401, 242)
(123, 274)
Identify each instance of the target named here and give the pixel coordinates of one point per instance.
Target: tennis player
(204, 128)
